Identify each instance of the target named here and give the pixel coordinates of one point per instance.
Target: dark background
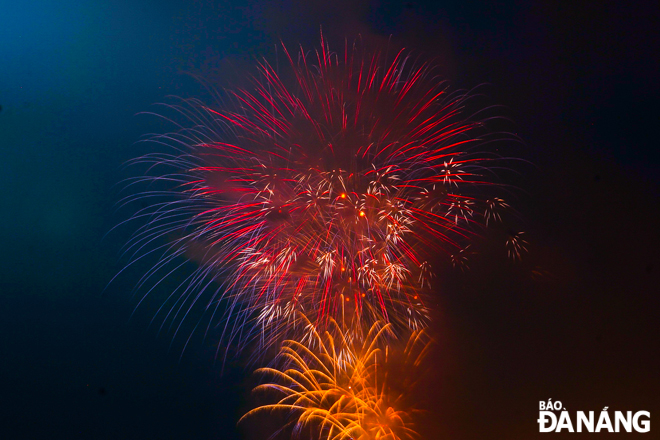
(580, 80)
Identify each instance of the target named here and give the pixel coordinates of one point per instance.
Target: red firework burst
(328, 197)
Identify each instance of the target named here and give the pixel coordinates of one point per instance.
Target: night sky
(581, 83)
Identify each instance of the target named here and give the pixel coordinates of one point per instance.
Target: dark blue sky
(580, 80)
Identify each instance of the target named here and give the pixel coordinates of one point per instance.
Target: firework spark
(516, 245)
(329, 196)
(338, 386)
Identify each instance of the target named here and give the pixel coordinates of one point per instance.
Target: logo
(553, 417)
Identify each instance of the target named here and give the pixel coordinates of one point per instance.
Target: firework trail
(333, 385)
(328, 196)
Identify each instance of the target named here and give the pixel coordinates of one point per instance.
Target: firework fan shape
(333, 385)
(329, 195)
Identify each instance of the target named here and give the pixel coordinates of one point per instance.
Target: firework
(334, 385)
(329, 195)
(516, 245)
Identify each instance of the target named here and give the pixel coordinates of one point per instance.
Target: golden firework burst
(343, 385)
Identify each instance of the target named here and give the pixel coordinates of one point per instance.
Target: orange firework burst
(339, 386)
